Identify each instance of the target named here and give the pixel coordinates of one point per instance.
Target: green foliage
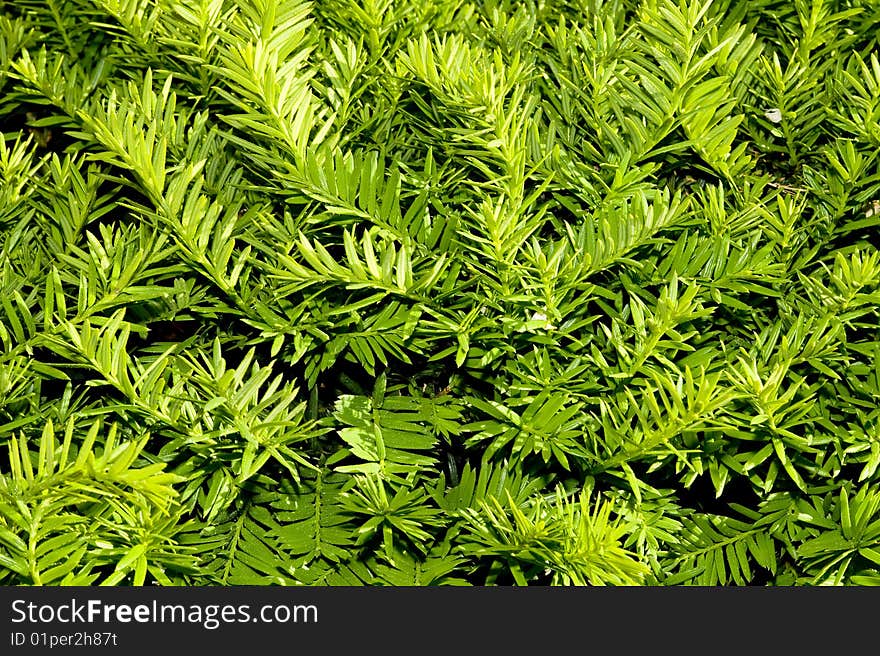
(440, 293)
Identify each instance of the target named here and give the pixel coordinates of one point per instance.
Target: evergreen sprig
(439, 292)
